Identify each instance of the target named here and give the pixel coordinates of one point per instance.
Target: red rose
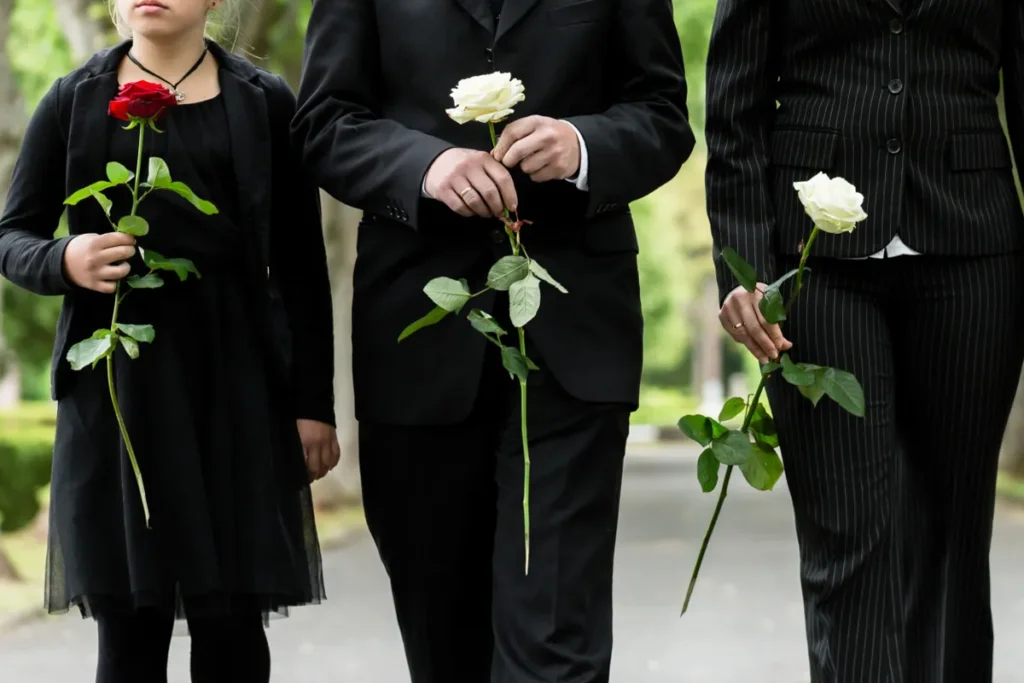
(141, 100)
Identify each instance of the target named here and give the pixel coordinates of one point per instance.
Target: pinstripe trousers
(894, 510)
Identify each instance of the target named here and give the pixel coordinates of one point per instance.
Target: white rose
(486, 99)
(833, 204)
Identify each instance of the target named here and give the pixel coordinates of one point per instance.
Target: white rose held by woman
(489, 98)
(833, 204)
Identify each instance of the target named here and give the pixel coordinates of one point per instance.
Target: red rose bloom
(141, 100)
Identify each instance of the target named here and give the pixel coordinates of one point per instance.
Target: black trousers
(133, 648)
(444, 505)
(894, 511)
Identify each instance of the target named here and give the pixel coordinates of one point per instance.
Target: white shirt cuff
(583, 173)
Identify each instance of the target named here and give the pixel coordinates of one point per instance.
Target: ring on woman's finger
(463, 193)
(737, 326)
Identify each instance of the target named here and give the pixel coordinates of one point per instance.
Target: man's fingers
(547, 172)
(454, 202)
(118, 253)
(522, 149)
(486, 190)
(512, 133)
(314, 462)
(759, 342)
(112, 273)
(114, 239)
(503, 181)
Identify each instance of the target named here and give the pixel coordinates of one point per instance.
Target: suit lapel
(479, 10)
(512, 13)
(249, 130)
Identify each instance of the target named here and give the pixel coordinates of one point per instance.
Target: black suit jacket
(372, 119)
(897, 96)
(65, 148)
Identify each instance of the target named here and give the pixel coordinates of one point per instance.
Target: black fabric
(232, 518)
(133, 648)
(65, 148)
(897, 97)
(372, 120)
(894, 510)
(444, 504)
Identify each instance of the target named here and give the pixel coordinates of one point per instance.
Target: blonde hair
(223, 24)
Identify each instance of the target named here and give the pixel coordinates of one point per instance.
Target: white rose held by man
(489, 98)
(833, 204)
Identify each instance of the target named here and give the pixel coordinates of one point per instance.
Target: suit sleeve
(29, 255)
(641, 141)
(1013, 77)
(358, 156)
(298, 266)
(739, 107)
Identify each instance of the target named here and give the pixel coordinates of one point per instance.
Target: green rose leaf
(117, 174)
(140, 333)
(183, 191)
(843, 388)
(540, 273)
(707, 471)
(130, 346)
(763, 469)
(769, 368)
(762, 426)
(772, 307)
(133, 225)
(795, 374)
(732, 448)
(435, 316)
(150, 281)
(484, 323)
(181, 266)
(449, 294)
(523, 300)
(159, 174)
(507, 270)
(697, 427)
(515, 362)
(91, 351)
(743, 271)
(814, 391)
(104, 203)
(733, 407)
(86, 192)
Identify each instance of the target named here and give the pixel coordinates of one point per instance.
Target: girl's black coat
(65, 148)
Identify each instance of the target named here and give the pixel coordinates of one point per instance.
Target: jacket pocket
(804, 148)
(977, 150)
(580, 12)
(611, 236)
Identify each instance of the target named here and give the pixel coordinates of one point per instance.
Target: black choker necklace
(178, 95)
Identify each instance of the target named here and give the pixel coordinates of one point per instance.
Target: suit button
(896, 27)
(893, 146)
(498, 236)
(490, 55)
(895, 86)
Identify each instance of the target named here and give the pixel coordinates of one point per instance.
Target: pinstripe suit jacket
(897, 96)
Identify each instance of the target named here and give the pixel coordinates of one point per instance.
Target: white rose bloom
(486, 99)
(833, 204)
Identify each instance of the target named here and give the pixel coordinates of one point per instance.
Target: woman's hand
(742, 319)
(320, 446)
(97, 262)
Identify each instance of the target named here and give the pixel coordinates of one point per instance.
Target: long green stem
(118, 297)
(751, 407)
(514, 240)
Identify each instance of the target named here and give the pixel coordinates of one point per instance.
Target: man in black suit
(923, 302)
(604, 123)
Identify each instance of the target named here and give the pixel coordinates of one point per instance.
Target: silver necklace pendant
(178, 95)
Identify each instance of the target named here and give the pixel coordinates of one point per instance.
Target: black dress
(232, 523)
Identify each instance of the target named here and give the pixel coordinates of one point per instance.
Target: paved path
(745, 625)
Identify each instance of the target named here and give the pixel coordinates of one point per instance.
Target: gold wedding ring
(463, 193)
(737, 326)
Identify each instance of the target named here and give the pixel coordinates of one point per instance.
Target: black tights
(134, 648)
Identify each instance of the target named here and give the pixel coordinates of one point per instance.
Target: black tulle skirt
(232, 525)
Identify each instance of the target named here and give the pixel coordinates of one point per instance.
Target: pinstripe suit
(893, 511)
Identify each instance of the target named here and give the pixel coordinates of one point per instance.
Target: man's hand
(543, 148)
(320, 446)
(471, 183)
(742, 319)
(97, 262)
